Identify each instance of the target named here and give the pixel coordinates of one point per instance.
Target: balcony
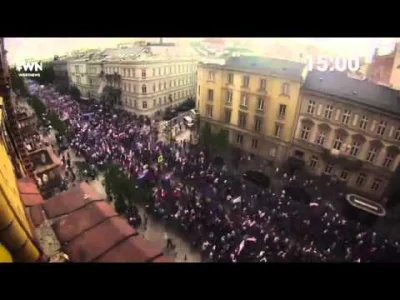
(46, 169)
(341, 158)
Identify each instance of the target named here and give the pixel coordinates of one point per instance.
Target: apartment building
(255, 99)
(385, 69)
(60, 67)
(158, 78)
(143, 79)
(349, 129)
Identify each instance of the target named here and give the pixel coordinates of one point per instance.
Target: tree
(17, 82)
(123, 190)
(221, 140)
(75, 93)
(47, 75)
(206, 136)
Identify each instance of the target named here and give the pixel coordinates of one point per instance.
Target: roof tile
(74, 224)
(360, 91)
(70, 200)
(98, 240)
(134, 249)
(29, 192)
(36, 214)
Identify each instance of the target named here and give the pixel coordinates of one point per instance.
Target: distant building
(385, 69)
(350, 130)
(253, 99)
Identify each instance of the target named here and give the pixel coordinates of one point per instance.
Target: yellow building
(16, 239)
(255, 99)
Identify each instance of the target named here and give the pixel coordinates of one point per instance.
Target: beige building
(255, 99)
(143, 79)
(350, 130)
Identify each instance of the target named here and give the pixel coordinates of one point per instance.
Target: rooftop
(80, 225)
(266, 66)
(361, 91)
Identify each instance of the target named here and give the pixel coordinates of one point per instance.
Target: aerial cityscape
(162, 150)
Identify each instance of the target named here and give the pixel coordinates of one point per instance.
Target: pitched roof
(266, 66)
(360, 91)
(89, 230)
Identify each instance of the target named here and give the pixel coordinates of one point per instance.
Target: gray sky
(20, 49)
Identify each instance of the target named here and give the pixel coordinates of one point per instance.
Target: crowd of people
(221, 214)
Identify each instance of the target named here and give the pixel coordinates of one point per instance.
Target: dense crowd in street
(222, 215)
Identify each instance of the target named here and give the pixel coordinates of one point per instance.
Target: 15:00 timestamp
(324, 63)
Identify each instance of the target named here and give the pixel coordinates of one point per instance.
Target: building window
(242, 120)
(346, 116)
(263, 84)
(344, 174)
(321, 138)
(144, 104)
(228, 115)
(154, 72)
(144, 73)
(134, 88)
(328, 169)
(286, 89)
(371, 155)
(230, 78)
(175, 96)
(165, 85)
(361, 179)
(78, 79)
(388, 160)
(305, 132)
(170, 83)
(159, 101)
(277, 130)
(154, 102)
(355, 148)
(154, 87)
(282, 111)
(311, 107)
(239, 139)
(376, 184)
(210, 95)
(260, 104)
(76, 69)
(254, 143)
(243, 100)
(135, 103)
(313, 162)
(397, 134)
(257, 124)
(337, 144)
(124, 88)
(144, 89)
(211, 75)
(209, 111)
(229, 96)
(245, 81)
(165, 99)
(363, 122)
(381, 128)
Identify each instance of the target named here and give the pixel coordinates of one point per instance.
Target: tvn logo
(30, 69)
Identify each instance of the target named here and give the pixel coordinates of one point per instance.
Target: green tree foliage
(40, 108)
(17, 82)
(47, 75)
(215, 142)
(123, 190)
(75, 93)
